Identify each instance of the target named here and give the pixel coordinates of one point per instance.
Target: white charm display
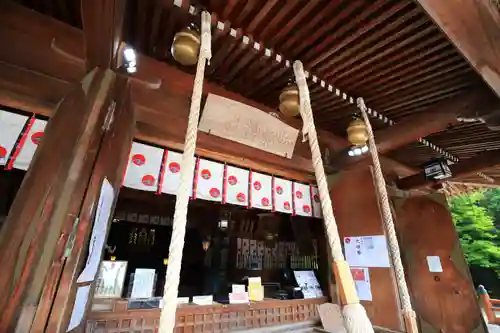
(236, 186)
(172, 173)
(209, 180)
(260, 191)
(11, 126)
(302, 199)
(143, 168)
(33, 137)
(316, 203)
(282, 194)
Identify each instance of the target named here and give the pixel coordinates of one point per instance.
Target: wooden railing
(491, 307)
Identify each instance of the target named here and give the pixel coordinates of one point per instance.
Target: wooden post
(110, 164)
(485, 304)
(49, 198)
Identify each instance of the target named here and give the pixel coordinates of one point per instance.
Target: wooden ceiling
(387, 51)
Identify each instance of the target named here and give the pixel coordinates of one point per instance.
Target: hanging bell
(356, 133)
(186, 46)
(289, 101)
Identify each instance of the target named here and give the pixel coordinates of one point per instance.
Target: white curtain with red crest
(236, 186)
(209, 178)
(171, 177)
(29, 144)
(282, 194)
(11, 126)
(316, 203)
(302, 199)
(260, 191)
(143, 168)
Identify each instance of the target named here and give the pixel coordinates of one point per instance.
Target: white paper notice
(82, 295)
(309, 284)
(98, 236)
(203, 300)
(434, 263)
(366, 251)
(361, 277)
(144, 280)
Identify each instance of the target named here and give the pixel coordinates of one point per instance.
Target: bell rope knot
(300, 79)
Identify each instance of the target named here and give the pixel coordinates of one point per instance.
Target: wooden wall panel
(356, 209)
(444, 302)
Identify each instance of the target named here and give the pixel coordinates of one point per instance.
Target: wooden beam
(102, 22)
(436, 118)
(474, 27)
(48, 200)
(156, 109)
(464, 168)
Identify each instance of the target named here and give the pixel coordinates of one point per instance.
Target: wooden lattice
(204, 319)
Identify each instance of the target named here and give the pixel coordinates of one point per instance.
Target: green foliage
(475, 216)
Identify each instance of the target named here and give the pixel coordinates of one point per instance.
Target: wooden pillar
(35, 231)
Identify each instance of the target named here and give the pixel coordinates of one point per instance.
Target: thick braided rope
(167, 318)
(309, 133)
(387, 218)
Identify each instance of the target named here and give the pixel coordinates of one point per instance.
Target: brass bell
(289, 101)
(356, 133)
(186, 46)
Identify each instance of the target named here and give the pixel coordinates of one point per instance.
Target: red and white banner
(316, 203)
(260, 191)
(33, 135)
(209, 180)
(282, 194)
(171, 178)
(302, 199)
(143, 168)
(236, 186)
(11, 126)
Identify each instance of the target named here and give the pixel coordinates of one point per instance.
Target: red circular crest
(347, 240)
(279, 190)
(206, 174)
(36, 137)
(214, 192)
(316, 198)
(240, 197)
(232, 180)
(174, 167)
(265, 202)
(148, 180)
(138, 159)
(306, 209)
(298, 194)
(286, 205)
(257, 185)
(3, 152)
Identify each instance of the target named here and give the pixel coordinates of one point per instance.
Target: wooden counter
(112, 316)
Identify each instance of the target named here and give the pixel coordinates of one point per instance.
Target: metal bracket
(110, 116)
(71, 239)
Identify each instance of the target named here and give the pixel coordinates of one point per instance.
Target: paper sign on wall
(366, 251)
(33, 137)
(143, 284)
(143, 167)
(98, 236)
(82, 296)
(361, 276)
(209, 180)
(11, 126)
(282, 193)
(236, 186)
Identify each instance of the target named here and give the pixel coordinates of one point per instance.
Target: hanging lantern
(357, 136)
(186, 46)
(289, 101)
